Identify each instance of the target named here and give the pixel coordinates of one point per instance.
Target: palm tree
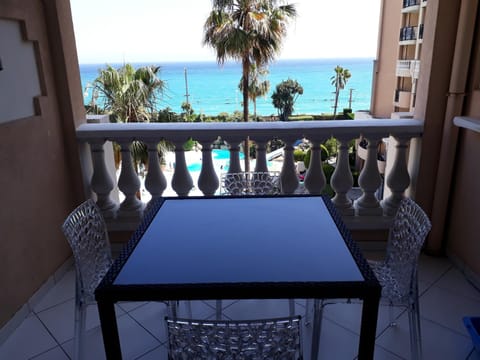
(256, 87)
(250, 31)
(339, 80)
(129, 95)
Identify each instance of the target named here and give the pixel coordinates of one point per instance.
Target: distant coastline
(213, 89)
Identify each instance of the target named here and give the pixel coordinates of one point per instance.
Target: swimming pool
(221, 159)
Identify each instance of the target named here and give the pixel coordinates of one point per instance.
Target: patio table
(268, 247)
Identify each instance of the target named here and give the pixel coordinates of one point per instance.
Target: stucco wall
(463, 240)
(384, 84)
(39, 167)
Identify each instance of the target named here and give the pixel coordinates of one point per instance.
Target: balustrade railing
(125, 214)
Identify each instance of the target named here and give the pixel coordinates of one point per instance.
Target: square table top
(243, 247)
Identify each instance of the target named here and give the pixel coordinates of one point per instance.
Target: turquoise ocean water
(214, 89)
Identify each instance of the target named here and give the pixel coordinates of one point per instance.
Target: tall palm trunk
(246, 72)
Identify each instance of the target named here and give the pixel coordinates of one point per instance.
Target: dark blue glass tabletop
(240, 240)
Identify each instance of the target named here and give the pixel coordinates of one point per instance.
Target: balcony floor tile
(446, 296)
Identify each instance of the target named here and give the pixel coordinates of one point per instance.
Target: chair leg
(317, 326)
(415, 333)
(79, 332)
(391, 316)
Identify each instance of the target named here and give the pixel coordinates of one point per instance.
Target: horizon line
(226, 62)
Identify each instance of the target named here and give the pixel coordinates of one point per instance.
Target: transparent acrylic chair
(87, 235)
(230, 339)
(397, 273)
(251, 183)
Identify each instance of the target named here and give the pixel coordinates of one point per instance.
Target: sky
(117, 31)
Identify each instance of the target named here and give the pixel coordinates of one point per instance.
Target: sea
(213, 88)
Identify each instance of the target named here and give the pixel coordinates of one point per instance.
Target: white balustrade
(182, 181)
(131, 208)
(342, 180)
(398, 179)
(155, 182)
(208, 179)
(356, 214)
(369, 180)
(288, 175)
(101, 182)
(315, 180)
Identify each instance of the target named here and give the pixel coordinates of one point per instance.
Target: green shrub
(325, 155)
(189, 144)
(300, 118)
(298, 155)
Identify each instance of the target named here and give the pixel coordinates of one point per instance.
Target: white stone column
(315, 180)
(288, 175)
(261, 161)
(398, 178)
(129, 185)
(369, 181)
(342, 180)
(155, 182)
(101, 182)
(208, 179)
(182, 181)
(235, 166)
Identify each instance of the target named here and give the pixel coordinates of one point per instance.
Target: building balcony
(402, 99)
(403, 68)
(411, 6)
(408, 34)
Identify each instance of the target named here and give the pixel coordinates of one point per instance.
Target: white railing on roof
(357, 213)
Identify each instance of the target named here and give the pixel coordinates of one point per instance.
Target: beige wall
(463, 239)
(384, 83)
(40, 174)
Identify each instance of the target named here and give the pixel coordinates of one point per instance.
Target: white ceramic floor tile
(431, 268)
(200, 309)
(62, 291)
(30, 338)
(135, 341)
(152, 317)
(448, 308)
(383, 354)
(456, 282)
(60, 319)
(349, 315)
(336, 342)
(55, 354)
(158, 353)
(438, 342)
(131, 305)
(253, 309)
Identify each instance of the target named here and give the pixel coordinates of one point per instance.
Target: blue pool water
(220, 155)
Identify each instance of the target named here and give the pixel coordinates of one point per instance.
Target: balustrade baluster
(234, 166)
(342, 180)
(208, 179)
(182, 181)
(261, 160)
(155, 181)
(288, 175)
(315, 178)
(101, 182)
(369, 181)
(398, 179)
(129, 185)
